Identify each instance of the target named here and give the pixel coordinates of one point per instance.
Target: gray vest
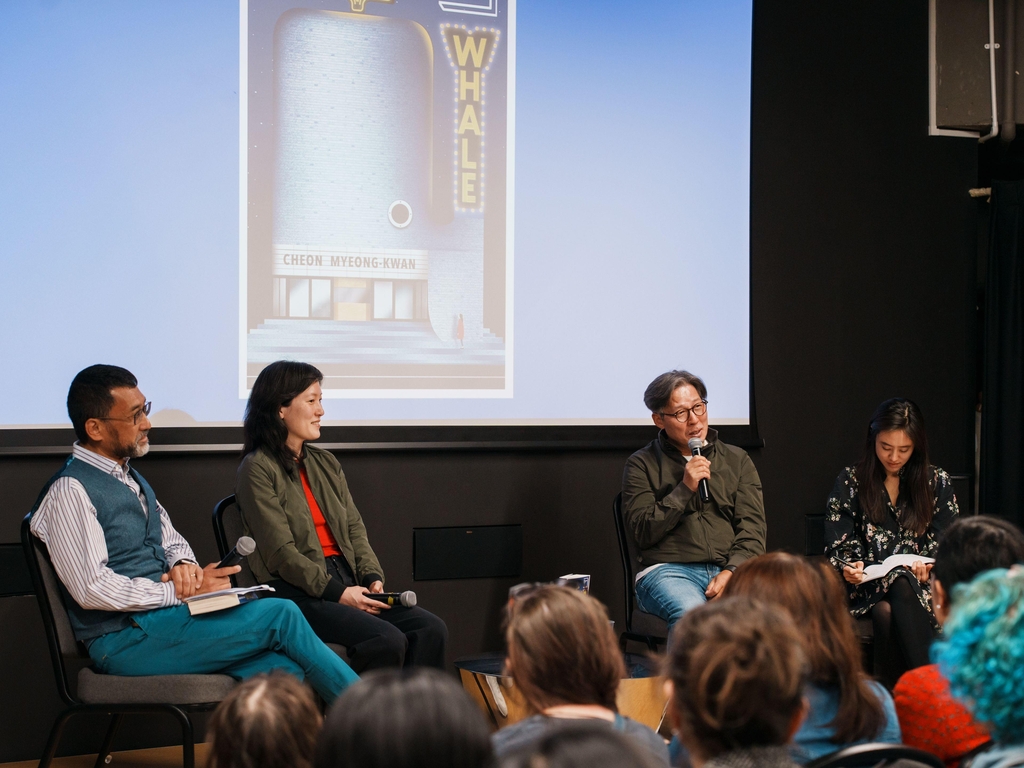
(134, 540)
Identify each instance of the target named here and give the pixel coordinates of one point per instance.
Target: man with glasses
(688, 547)
(125, 569)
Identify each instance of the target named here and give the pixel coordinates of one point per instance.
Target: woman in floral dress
(891, 502)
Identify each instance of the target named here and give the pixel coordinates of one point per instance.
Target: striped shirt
(66, 522)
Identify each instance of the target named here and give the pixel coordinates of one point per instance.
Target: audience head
(736, 669)
(897, 445)
(275, 389)
(580, 744)
(982, 654)
(267, 721)
(815, 599)
(108, 412)
(678, 404)
(416, 718)
(562, 649)
(969, 546)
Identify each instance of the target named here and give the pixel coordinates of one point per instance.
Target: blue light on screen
(119, 174)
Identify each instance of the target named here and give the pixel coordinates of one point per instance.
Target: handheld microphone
(702, 487)
(406, 599)
(244, 547)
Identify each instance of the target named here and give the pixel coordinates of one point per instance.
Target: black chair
(877, 756)
(227, 527)
(114, 695)
(641, 627)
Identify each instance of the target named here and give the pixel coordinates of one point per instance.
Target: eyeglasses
(682, 416)
(134, 418)
(524, 590)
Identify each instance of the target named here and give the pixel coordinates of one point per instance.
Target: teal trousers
(255, 637)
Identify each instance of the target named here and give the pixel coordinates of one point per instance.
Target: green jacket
(672, 525)
(275, 513)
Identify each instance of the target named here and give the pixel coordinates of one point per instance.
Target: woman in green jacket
(311, 544)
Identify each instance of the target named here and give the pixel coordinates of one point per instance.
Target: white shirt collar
(109, 466)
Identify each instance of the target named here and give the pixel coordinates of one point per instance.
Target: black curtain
(1002, 400)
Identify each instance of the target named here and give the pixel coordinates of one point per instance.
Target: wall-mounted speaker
(969, 41)
(485, 551)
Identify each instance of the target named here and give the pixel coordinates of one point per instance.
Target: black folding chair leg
(103, 758)
(54, 740)
(188, 750)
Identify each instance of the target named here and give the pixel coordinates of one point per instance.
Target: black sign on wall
(486, 551)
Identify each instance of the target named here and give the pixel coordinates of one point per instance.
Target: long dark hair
(815, 599)
(916, 490)
(276, 386)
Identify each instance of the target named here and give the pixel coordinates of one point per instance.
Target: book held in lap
(878, 570)
(224, 598)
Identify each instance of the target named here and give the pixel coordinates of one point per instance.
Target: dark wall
(862, 242)
(862, 246)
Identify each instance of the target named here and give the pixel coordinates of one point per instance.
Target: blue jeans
(672, 589)
(256, 637)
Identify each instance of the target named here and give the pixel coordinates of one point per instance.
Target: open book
(224, 598)
(878, 570)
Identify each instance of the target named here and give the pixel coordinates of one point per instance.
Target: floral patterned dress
(849, 534)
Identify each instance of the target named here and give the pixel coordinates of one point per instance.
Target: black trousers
(902, 630)
(397, 637)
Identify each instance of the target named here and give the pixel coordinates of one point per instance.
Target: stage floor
(136, 758)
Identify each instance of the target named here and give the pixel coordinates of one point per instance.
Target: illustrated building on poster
(379, 188)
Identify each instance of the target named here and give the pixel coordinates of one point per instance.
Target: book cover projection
(376, 171)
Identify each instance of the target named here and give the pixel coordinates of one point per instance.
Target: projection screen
(480, 212)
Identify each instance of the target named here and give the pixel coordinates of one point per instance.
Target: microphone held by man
(244, 547)
(695, 446)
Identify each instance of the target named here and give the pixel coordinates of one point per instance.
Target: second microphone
(407, 598)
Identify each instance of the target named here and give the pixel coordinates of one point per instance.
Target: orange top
(932, 720)
(327, 541)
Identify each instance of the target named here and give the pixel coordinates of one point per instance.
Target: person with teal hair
(983, 658)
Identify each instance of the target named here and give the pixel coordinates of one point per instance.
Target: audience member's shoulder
(519, 735)
(880, 692)
(646, 736)
(577, 743)
(918, 685)
(527, 733)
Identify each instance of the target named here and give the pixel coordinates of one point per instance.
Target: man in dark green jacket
(688, 547)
